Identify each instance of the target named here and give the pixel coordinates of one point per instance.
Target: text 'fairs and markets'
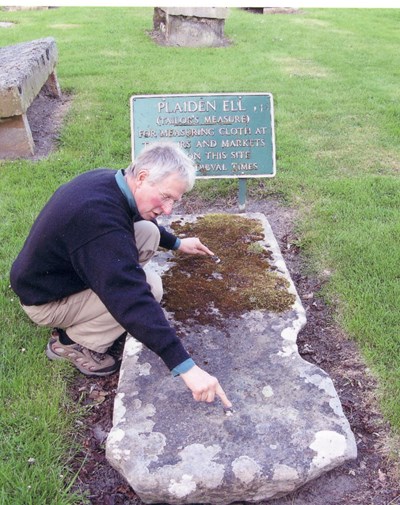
(225, 135)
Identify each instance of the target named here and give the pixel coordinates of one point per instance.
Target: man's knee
(147, 236)
(155, 282)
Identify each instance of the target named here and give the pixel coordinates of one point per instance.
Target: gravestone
(287, 426)
(190, 26)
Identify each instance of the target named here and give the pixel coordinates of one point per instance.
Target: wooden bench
(25, 69)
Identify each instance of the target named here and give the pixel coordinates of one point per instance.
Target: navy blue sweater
(83, 238)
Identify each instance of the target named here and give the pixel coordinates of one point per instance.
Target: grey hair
(161, 159)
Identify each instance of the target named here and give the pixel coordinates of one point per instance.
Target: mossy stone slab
(287, 427)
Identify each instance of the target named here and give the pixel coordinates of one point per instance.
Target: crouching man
(81, 271)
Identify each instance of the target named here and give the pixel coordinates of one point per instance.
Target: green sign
(226, 134)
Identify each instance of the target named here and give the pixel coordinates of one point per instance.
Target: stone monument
(190, 26)
(287, 426)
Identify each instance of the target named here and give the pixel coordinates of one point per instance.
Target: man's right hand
(204, 387)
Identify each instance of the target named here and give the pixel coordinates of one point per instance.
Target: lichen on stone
(197, 289)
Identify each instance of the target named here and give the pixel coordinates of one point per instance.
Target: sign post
(227, 135)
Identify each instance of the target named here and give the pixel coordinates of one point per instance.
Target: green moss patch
(198, 289)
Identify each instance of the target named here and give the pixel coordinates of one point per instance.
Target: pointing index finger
(206, 250)
(224, 399)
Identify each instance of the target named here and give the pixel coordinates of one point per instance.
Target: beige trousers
(84, 316)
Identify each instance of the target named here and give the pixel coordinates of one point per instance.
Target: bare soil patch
(372, 479)
(45, 116)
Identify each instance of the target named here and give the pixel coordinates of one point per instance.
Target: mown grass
(334, 75)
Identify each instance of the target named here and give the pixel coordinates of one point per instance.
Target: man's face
(154, 199)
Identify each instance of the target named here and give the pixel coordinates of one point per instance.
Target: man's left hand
(204, 387)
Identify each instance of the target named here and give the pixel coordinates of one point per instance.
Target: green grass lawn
(334, 75)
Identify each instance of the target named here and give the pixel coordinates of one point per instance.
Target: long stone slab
(287, 427)
(24, 69)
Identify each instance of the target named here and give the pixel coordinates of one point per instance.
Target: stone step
(286, 429)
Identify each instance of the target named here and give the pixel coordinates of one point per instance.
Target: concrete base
(287, 427)
(51, 86)
(15, 138)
